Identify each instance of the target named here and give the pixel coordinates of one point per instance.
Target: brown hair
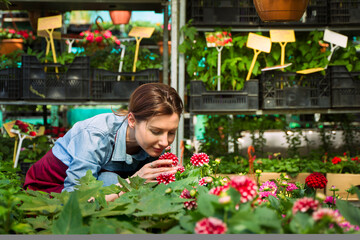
(154, 99)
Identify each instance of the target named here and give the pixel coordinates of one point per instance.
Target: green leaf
(274, 202)
(267, 218)
(349, 212)
(40, 222)
(70, 219)
(205, 206)
(301, 223)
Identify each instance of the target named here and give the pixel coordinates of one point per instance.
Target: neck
(132, 146)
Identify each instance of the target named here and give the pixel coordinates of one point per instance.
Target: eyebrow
(161, 129)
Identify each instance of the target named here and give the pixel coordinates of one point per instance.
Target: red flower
(210, 225)
(181, 169)
(98, 39)
(32, 133)
(316, 180)
(218, 190)
(165, 178)
(336, 160)
(199, 159)
(61, 134)
(305, 204)
(189, 204)
(170, 156)
(245, 186)
(355, 159)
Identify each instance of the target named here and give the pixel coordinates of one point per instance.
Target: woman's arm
(149, 172)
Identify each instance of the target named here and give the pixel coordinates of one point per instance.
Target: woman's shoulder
(104, 122)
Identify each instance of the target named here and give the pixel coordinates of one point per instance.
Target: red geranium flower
(165, 178)
(170, 156)
(336, 160)
(316, 180)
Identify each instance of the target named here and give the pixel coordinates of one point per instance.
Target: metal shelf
(280, 111)
(61, 102)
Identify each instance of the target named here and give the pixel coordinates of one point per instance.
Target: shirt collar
(119, 154)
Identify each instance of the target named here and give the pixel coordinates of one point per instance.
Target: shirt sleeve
(89, 150)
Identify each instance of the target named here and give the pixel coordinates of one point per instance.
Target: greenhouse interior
(196, 116)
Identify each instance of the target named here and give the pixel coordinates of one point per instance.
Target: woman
(112, 145)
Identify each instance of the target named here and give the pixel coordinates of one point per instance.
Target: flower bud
(320, 196)
(333, 188)
(208, 179)
(258, 171)
(218, 160)
(169, 190)
(193, 192)
(225, 200)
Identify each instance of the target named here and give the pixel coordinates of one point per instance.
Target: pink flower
(189, 204)
(205, 180)
(268, 186)
(199, 159)
(218, 190)
(330, 200)
(107, 34)
(266, 194)
(12, 31)
(210, 225)
(305, 204)
(245, 186)
(291, 187)
(328, 213)
(90, 37)
(165, 178)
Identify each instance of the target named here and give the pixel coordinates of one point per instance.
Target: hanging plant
(120, 17)
(280, 10)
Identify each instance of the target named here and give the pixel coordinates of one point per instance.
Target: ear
(131, 120)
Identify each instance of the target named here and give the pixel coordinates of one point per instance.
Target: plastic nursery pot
(9, 45)
(120, 17)
(280, 10)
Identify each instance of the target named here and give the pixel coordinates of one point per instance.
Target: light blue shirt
(96, 143)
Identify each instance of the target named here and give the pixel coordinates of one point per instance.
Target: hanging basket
(10, 45)
(280, 10)
(120, 17)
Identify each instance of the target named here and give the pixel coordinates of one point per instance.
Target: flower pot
(10, 45)
(342, 182)
(161, 47)
(120, 17)
(280, 10)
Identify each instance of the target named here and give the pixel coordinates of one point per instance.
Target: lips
(158, 150)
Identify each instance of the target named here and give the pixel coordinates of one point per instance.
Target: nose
(164, 141)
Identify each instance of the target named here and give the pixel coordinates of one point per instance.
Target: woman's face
(157, 133)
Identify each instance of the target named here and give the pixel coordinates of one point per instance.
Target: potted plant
(280, 10)
(120, 17)
(12, 39)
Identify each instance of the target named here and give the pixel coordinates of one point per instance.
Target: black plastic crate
(289, 90)
(107, 85)
(345, 87)
(41, 81)
(10, 80)
(344, 12)
(316, 13)
(222, 12)
(203, 101)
